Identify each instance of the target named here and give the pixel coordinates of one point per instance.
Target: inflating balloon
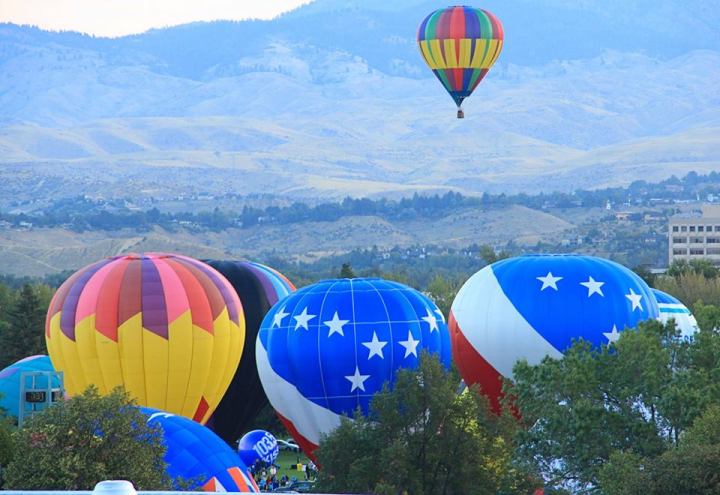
(10, 383)
(167, 328)
(258, 445)
(325, 350)
(258, 287)
(672, 308)
(460, 45)
(194, 453)
(536, 306)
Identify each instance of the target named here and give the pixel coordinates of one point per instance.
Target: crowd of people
(267, 479)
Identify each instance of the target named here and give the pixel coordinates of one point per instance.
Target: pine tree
(23, 335)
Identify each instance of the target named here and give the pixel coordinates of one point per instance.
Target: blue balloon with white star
(534, 306)
(325, 350)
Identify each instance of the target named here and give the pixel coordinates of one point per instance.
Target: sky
(121, 17)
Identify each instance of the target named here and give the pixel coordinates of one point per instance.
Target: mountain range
(333, 99)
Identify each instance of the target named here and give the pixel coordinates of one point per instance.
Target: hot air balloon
(10, 385)
(258, 445)
(535, 306)
(167, 328)
(195, 453)
(323, 351)
(460, 45)
(258, 287)
(672, 308)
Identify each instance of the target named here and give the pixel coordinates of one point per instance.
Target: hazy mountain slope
(333, 99)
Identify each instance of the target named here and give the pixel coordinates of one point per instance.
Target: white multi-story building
(695, 237)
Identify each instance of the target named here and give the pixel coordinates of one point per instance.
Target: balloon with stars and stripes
(323, 351)
(535, 306)
(672, 308)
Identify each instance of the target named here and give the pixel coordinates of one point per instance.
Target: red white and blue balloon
(258, 445)
(672, 308)
(325, 350)
(535, 306)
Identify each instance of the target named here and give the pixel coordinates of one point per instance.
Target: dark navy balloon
(671, 308)
(325, 350)
(258, 445)
(535, 306)
(10, 382)
(258, 287)
(195, 453)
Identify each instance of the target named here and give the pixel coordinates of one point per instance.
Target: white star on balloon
(593, 287)
(357, 380)
(302, 319)
(431, 320)
(549, 281)
(279, 317)
(612, 336)
(635, 300)
(336, 325)
(440, 313)
(375, 346)
(410, 345)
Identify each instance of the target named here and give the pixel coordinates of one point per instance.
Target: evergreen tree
(23, 335)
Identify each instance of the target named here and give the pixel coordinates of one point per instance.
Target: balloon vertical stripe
(460, 44)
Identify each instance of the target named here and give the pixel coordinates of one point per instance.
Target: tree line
(83, 214)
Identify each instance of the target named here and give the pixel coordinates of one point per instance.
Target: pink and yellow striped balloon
(168, 328)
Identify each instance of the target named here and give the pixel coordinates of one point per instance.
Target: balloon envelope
(325, 350)
(197, 454)
(671, 308)
(168, 328)
(10, 381)
(258, 287)
(258, 445)
(535, 306)
(460, 45)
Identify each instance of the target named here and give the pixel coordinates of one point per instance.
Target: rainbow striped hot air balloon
(460, 45)
(167, 328)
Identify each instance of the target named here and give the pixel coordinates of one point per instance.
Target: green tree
(23, 336)
(423, 438)
(346, 271)
(86, 439)
(6, 445)
(443, 292)
(621, 404)
(693, 467)
(489, 256)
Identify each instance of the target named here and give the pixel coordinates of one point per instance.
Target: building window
(692, 228)
(679, 251)
(679, 240)
(714, 251)
(708, 228)
(697, 252)
(713, 240)
(675, 228)
(696, 240)
(701, 228)
(683, 228)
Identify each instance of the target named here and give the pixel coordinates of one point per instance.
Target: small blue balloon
(258, 445)
(10, 383)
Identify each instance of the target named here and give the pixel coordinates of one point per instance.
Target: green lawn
(287, 461)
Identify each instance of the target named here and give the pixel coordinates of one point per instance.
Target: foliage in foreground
(86, 439)
(423, 438)
(624, 419)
